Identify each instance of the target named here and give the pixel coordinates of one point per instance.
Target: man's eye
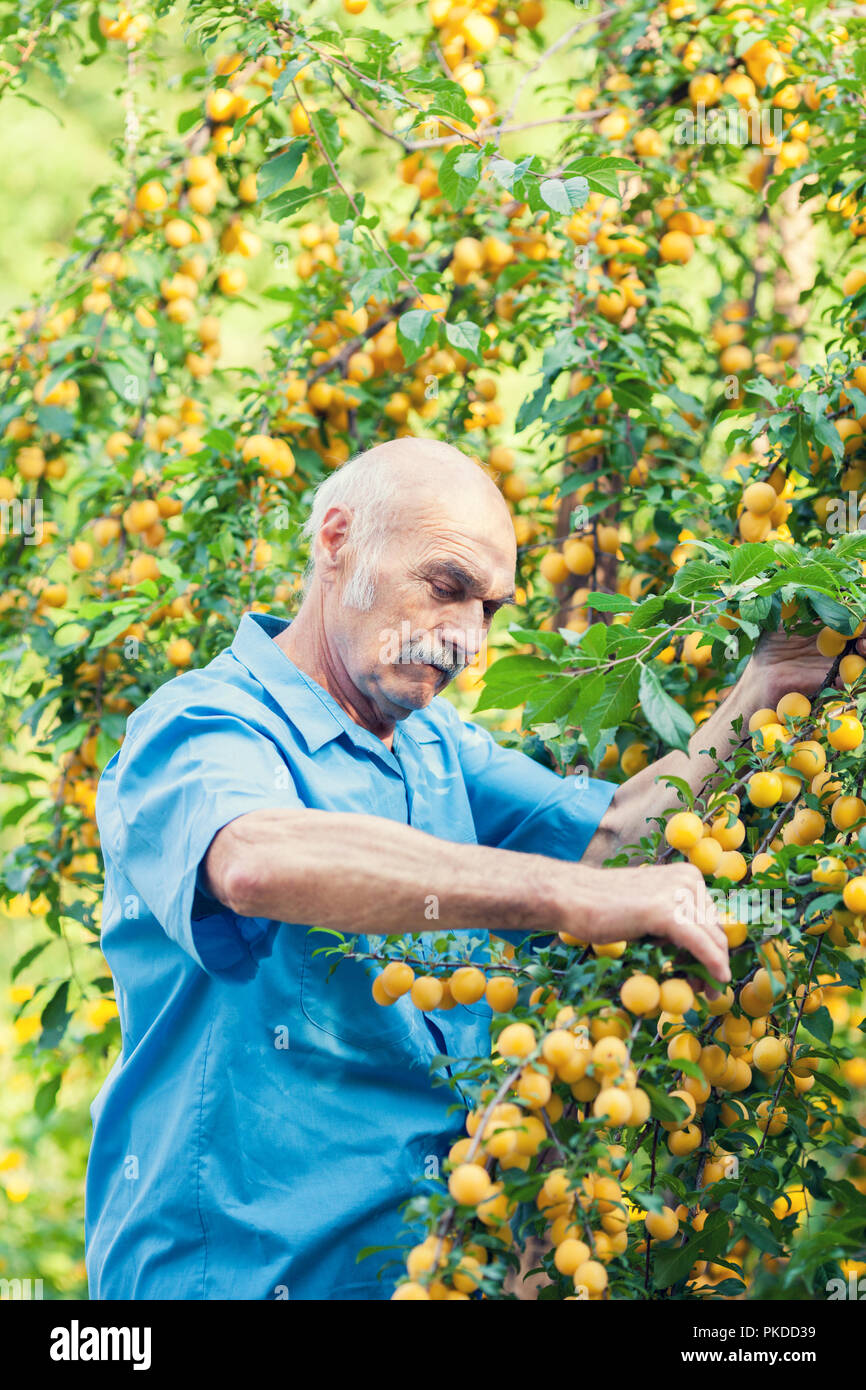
(440, 592)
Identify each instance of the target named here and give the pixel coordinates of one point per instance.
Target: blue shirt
(263, 1122)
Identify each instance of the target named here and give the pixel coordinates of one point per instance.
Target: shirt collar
(312, 710)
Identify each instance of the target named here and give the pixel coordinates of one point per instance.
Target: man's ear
(333, 537)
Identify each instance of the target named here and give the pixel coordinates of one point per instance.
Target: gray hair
(364, 486)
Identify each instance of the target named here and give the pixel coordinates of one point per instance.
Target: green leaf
(46, 1096)
(106, 747)
(831, 613)
(550, 641)
(670, 721)
(750, 559)
(288, 203)
(459, 176)
(465, 337)
(758, 1235)
(601, 172)
(326, 126)
(447, 98)
(375, 1250)
(40, 105)
(375, 282)
(697, 577)
(416, 330)
(504, 171)
(593, 641)
(828, 434)
(126, 385)
(55, 1017)
(851, 544)
(616, 706)
(609, 603)
(664, 1107)
(73, 736)
(829, 1083)
(187, 119)
(23, 961)
(414, 324)
(592, 163)
(645, 614)
(57, 421)
(682, 786)
(550, 700)
(109, 632)
(275, 173)
(220, 439)
(590, 690)
(289, 72)
(670, 1266)
(512, 680)
(819, 1024)
(95, 32)
(564, 195)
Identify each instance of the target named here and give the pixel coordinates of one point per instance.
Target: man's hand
(665, 900)
(782, 662)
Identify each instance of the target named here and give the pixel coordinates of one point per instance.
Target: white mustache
(431, 652)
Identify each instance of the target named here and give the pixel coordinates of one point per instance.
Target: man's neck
(304, 643)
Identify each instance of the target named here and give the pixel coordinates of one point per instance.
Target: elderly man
(266, 1119)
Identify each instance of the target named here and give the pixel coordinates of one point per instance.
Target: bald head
(421, 471)
(395, 486)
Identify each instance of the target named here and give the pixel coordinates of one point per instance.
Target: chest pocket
(431, 796)
(340, 1001)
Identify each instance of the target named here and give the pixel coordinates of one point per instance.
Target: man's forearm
(367, 874)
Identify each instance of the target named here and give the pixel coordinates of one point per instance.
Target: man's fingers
(694, 905)
(704, 947)
(707, 917)
(683, 912)
(694, 925)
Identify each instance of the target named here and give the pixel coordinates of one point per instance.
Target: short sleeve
(182, 774)
(519, 804)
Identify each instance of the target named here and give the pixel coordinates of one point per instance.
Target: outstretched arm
(366, 874)
(780, 664)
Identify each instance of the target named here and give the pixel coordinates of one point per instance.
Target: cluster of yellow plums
(466, 985)
(586, 1219)
(792, 744)
(588, 1213)
(746, 1035)
(128, 27)
(765, 505)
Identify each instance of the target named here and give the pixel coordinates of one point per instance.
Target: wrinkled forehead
(470, 516)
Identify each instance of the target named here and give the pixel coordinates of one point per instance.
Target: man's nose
(464, 640)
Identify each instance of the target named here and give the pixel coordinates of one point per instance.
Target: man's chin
(416, 693)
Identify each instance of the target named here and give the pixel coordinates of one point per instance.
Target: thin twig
(548, 53)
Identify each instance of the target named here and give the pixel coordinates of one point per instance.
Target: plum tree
(648, 331)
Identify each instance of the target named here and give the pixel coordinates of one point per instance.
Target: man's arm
(780, 664)
(366, 874)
